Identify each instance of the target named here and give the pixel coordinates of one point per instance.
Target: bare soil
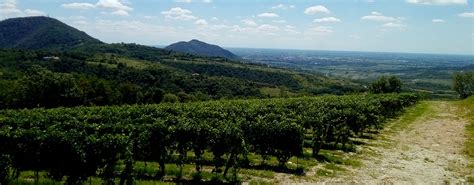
(428, 151)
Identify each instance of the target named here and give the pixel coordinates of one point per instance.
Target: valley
(428, 73)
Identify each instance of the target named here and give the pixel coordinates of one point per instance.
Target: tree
(394, 84)
(170, 98)
(391, 84)
(464, 84)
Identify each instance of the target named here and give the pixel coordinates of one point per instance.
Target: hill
(41, 33)
(201, 48)
(78, 70)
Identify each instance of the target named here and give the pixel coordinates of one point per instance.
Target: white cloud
(190, 1)
(377, 16)
(327, 20)
(117, 6)
(129, 31)
(394, 25)
(316, 9)
(149, 17)
(179, 13)
(267, 29)
(320, 30)
(438, 21)
(214, 19)
(120, 12)
(31, 12)
(8, 9)
(249, 22)
(283, 7)
(279, 21)
(376, 13)
(466, 14)
(201, 22)
(438, 2)
(113, 4)
(82, 6)
(268, 15)
(291, 30)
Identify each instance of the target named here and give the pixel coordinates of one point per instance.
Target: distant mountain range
(41, 33)
(201, 48)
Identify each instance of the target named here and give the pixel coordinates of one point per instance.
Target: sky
(414, 26)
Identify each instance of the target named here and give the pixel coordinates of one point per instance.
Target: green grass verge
(411, 114)
(469, 145)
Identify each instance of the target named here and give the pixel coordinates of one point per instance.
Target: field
(420, 72)
(217, 141)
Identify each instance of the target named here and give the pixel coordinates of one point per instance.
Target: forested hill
(94, 73)
(201, 48)
(41, 32)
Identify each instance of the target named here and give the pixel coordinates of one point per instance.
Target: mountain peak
(198, 47)
(41, 32)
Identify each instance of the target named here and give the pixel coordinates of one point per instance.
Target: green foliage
(5, 165)
(463, 84)
(391, 84)
(92, 76)
(90, 141)
(468, 104)
(170, 98)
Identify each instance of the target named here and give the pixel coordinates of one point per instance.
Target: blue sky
(416, 26)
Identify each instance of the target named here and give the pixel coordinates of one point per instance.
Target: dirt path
(428, 151)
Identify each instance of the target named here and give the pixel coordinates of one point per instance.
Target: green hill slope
(41, 33)
(75, 69)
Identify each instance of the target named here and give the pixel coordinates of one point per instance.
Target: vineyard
(78, 143)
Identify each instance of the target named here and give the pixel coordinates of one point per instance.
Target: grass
(332, 157)
(410, 115)
(271, 92)
(469, 145)
(325, 173)
(134, 63)
(248, 173)
(257, 182)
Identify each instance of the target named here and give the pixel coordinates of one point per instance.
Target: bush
(391, 84)
(464, 84)
(170, 98)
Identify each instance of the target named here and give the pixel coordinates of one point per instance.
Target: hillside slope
(201, 48)
(41, 33)
(74, 69)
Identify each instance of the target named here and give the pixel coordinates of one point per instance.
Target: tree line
(35, 79)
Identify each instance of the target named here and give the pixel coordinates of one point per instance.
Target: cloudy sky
(419, 26)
